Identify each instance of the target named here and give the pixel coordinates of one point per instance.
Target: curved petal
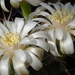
(52, 43)
(47, 7)
(39, 34)
(57, 7)
(28, 57)
(43, 13)
(19, 67)
(41, 43)
(28, 27)
(2, 3)
(19, 24)
(1, 52)
(59, 34)
(34, 2)
(9, 24)
(14, 3)
(1, 33)
(67, 44)
(37, 51)
(62, 5)
(72, 31)
(72, 24)
(66, 6)
(20, 55)
(4, 67)
(31, 15)
(36, 63)
(24, 41)
(4, 29)
(41, 20)
(54, 53)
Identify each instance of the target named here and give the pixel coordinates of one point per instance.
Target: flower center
(62, 16)
(10, 39)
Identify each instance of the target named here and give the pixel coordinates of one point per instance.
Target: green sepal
(26, 9)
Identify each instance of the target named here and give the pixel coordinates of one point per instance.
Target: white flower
(15, 3)
(59, 21)
(18, 46)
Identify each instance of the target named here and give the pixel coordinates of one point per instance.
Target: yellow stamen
(62, 16)
(10, 39)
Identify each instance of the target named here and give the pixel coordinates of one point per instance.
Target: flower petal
(72, 31)
(57, 7)
(59, 34)
(20, 55)
(4, 29)
(41, 20)
(28, 27)
(36, 63)
(39, 34)
(43, 13)
(1, 33)
(9, 24)
(47, 7)
(20, 23)
(28, 57)
(67, 44)
(52, 43)
(14, 3)
(41, 43)
(34, 2)
(24, 41)
(72, 24)
(1, 52)
(19, 67)
(2, 3)
(4, 67)
(66, 6)
(37, 51)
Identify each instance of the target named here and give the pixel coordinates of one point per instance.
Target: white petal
(36, 63)
(43, 13)
(47, 7)
(28, 57)
(1, 33)
(20, 55)
(4, 68)
(20, 23)
(41, 20)
(39, 52)
(41, 43)
(54, 53)
(52, 42)
(62, 5)
(3, 28)
(39, 34)
(19, 67)
(14, 3)
(73, 8)
(57, 7)
(28, 27)
(72, 24)
(9, 24)
(72, 31)
(67, 44)
(24, 41)
(2, 3)
(34, 2)
(1, 52)
(59, 34)
(66, 6)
